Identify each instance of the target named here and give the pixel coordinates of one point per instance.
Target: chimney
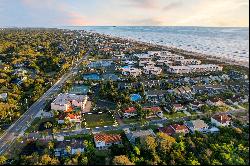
(221, 118)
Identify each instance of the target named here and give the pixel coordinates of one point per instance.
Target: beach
(229, 45)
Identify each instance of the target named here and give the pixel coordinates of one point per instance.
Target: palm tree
(48, 125)
(68, 149)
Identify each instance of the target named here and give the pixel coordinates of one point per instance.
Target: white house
(64, 101)
(197, 125)
(129, 112)
(103, 141)
(221, 120)
(131, 71)
(179, 69)
(146, 63)
(152, 70)
(184, 62)
(205, 68)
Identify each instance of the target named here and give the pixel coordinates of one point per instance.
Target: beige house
(64, 101)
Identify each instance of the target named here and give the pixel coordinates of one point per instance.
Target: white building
(194, 68)
(103, 141)
(184, 62)
(131, 71)
(146, 63)
(205, 68)
(221, 120)
(197, 125)
(162, 62)
(64, 101)
(152, 70)
(179, 69)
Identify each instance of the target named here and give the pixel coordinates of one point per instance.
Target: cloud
(141, 3)
(173, 5)
(56, 12)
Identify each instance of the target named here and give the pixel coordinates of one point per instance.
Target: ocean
(230, 43)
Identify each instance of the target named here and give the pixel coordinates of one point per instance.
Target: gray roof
(196, 124)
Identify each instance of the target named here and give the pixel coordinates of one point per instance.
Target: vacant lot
(98, 120)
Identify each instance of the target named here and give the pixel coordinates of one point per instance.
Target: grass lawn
(175, 115)
(99, 120)
(36, 123)
(245, 105)
(130, 120)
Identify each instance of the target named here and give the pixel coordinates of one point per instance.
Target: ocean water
(231, 43)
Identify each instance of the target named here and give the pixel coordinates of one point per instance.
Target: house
(131, 71)
(138, 134)
(129, 112)
(221, 120)
(215, 102)
(197, 125)
(195, 105)
(103, 141)
(179, 69)
(73, 118)
(162, 62)
(153, 111)
(146, 63)
(174, 129)
(66, 100)
(76, 146)
(155, 96)
(184, 62)
(178, 107)
(3, 96)
(152, 70)
(153, 83)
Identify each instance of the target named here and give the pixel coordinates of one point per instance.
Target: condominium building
(184, 62)
(194, 68)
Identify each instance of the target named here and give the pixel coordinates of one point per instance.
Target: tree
(121, 160)
(165, 143)
(2, 160)
(149, 144)
(48, 125)
(50, 145)
(68, 149)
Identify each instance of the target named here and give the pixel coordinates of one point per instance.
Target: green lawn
(98, 120)
(130, 120)
(245, 105)
(175, 115)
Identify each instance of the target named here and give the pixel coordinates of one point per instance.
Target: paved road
(18, 128)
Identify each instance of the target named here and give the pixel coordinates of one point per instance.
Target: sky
(46, 13)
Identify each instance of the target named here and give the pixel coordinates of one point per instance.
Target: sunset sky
(45, 13)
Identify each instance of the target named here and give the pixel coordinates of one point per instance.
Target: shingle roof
(222, 118)
(108, 138)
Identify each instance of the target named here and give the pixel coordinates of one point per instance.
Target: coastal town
(107, 100)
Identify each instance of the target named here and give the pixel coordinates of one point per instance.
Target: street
(17, 128)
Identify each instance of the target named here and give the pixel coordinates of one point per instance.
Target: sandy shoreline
(186, 52)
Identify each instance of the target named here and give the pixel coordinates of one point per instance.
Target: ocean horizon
(226, 42)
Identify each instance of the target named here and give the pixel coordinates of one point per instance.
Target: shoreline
(182, 51)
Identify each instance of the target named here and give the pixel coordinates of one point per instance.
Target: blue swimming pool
(126, 67)
(93, 76)
(135, 97)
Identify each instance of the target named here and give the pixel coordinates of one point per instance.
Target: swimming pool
(93, 76)
(79, 89)
(135, 97)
